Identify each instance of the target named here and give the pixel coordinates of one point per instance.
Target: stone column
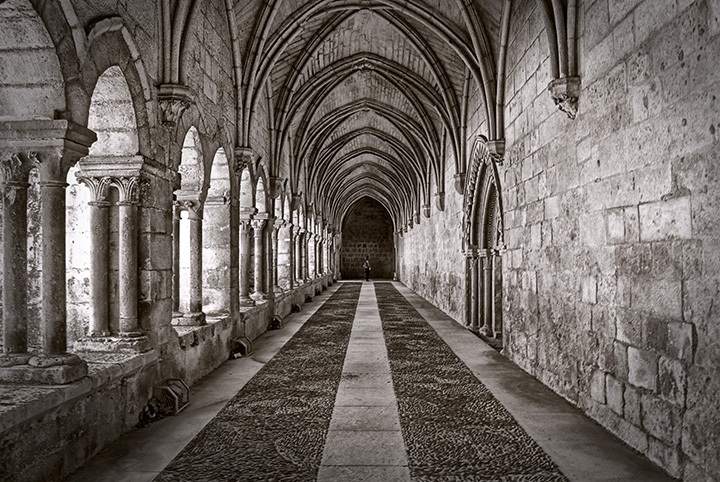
(245, 299)
(127, 257)
(473, 259)
(259, 233)
(14, 191)
(196, 315)
(176, 259)
(99, 261)
(277, 226)
(487, 304)
(298, 256)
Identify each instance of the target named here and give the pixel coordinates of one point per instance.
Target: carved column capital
(127, 189)
(258, 225)
(98, 189)
(174, 100)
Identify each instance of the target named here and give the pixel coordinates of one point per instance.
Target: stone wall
(367, 231)
(612, 225)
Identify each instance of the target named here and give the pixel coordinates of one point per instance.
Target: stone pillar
(245, 299)
(195, 218)
(487, 302)
(100, 251)
(127, 257)
(176, 259)
(277, 226)
(285, 257)
(299, 256)
(259, 237)
(14, 191)
(473, 259)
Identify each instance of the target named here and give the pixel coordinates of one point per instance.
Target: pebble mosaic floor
(275, 428)
(454, 429)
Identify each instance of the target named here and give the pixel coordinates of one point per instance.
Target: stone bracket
(565, 92)
(440, 200)
(275, 186)
(174, 100)
(245, 157)
(460, 182)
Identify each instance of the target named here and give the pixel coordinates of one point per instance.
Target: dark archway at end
(367, 230)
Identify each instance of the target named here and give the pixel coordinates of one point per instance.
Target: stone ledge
(19, 403)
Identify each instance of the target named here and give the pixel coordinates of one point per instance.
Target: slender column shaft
(52, 213)
(176, 259)
(99, 287)
(245, 299)
(15, 267)
(474, 291)
(275, 248)
(127, 247)
(196, 249)
(487, 293)
(259, 237)
(298, 259)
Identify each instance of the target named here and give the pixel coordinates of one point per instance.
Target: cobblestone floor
(274, 429)
(454, 429)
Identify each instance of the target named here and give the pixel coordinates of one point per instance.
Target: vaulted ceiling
(367, 97)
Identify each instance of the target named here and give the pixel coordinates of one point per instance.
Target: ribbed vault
(366, 97)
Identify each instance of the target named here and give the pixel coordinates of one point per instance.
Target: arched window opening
(216, 238)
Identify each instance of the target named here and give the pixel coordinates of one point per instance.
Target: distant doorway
(367, 230)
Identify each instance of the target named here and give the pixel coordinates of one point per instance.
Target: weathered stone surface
(642, 368)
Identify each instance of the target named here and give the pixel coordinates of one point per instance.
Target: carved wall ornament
(174, 100)
(11, 169)
(565, 92)
(245, 157)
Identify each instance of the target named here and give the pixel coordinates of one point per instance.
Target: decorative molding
(565, 92)
(174, 100)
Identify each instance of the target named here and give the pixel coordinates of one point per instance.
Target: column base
(46, 370)
(130, 343)
(13, 359)
(473, 329)
(246, 302)
(194, 318)
(259, 296)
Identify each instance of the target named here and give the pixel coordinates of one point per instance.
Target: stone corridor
(398, 392)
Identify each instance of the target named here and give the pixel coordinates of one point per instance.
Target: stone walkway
(375, 384)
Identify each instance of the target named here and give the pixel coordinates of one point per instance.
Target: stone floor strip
(453, 427)
(275, 427)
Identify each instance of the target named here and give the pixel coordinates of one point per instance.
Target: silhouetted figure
(366, 265)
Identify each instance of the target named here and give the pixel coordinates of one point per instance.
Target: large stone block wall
(611, 274)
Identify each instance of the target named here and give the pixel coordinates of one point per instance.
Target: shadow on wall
(367, 230)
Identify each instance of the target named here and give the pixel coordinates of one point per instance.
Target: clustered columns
(258, 224)
(51, 146)
(482, 291)
(99, 176)
(194, 208)
(245, 227)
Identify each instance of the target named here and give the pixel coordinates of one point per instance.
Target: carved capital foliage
(245, 226)
(258, 225)
(174, 100)
(127, 189)
(98, 187)
(565, 92)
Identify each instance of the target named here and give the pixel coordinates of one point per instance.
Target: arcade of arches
(179, 175)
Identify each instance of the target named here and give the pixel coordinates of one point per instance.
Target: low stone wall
(71, 423)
